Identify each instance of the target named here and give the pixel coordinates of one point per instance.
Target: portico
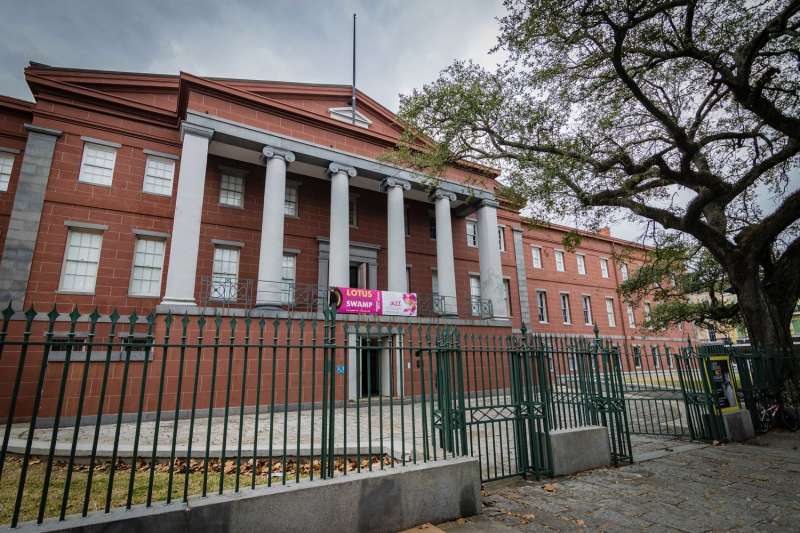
(205, 135)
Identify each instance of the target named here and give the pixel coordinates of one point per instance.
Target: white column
(489, 253)
(396, 224)
(339, 251)
(445, 263)
(185, 241)
(270, 256)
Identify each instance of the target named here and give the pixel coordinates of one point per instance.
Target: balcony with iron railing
(231, 293)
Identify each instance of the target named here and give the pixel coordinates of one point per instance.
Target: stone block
(578, 449)
(739, 426)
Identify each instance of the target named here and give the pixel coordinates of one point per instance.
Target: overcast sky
(402, 44)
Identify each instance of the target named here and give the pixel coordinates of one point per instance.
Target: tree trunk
(767, 313)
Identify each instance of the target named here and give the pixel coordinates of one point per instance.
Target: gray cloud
(401, 43)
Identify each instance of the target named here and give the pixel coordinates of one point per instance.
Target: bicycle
(767, 412)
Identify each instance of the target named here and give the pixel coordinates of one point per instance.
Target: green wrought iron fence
(108, 411)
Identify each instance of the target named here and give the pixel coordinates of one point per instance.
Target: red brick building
(142, 192)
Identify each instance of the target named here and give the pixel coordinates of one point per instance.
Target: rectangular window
(587, 310)
(475, 295)
(536, 254)
(604, 267)
(612, 320)
(541, 305)
(408, 278)
(352, 212)
(148, 261)
(656, 356)
(406, 221)
(79, 272)
(290, 207)
(565, 313)
(97, 165)
(472, 234)
(434, 283)
(225, 274)
(559, 260)
(6, 164)
(670, 358)
(432, 226)
(637, 357)
(581, 259)
(231, 191)
(501, 238)
(288, 269)
(631, 316)
(623, 268)
(647, 311)
(507, 296)
(158, 175)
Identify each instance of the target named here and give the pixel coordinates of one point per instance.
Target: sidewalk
(682, 487)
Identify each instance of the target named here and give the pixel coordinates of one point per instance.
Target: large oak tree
(682, 113)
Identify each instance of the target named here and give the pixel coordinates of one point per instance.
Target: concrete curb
(378, 501)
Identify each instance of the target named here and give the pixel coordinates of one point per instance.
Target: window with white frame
(623, 268)
(604, 267)
(97, 165)
(541, 306)
(472, 233)
(536, 255)
(501, 238)
(612, 320)
(148, 261)
(352, 212)
(581, 261)
(158, 175)
(507, 296)
(647, 311)
(670, 358)
(587, 309)
(6, 164)
(559, 255)
(290, 199)
(434, 283)
(631, 316)
(637, 356)
(288, 277)
(225, 274)
(231, 190)
(656, 356)
(475, 295)
(81, 259)
(565, 311)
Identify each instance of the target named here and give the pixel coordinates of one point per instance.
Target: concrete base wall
(739, 426)
(388, 500)
(579, 449)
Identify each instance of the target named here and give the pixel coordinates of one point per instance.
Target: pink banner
(374, 302)
(359, 301)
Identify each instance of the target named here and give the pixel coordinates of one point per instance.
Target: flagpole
(353, 100)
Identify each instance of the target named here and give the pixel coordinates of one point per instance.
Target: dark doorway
(370, 362)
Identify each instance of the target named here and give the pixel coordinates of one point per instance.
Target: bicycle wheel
(764, 418)
(789, 419)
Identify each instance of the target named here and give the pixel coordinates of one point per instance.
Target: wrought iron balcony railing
(229, 292)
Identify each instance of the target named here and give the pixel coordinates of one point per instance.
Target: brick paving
(681, 486)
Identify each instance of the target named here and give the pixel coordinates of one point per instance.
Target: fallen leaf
(549, 487)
